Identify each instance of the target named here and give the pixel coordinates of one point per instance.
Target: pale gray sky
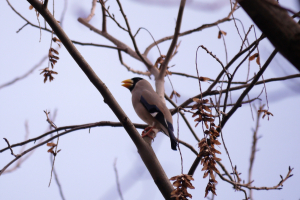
(85, 163)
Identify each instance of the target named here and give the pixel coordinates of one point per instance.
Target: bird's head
(130, 83)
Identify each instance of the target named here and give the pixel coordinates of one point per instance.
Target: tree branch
(204, 26)
(276, 187)
(117, 42)
(164, 65)
(282, 31)
(98, 45)
(26, 74)
(129, 68)
(146, 152)
(247, 90)
(74, 128)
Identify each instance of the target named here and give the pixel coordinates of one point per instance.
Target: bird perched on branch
(150, 108)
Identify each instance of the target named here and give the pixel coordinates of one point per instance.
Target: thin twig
(217, 59)
(98, 45)
(26, 74)
(253, 149)
(232, 75)
(129, 68)
(22, 27)
(225, 48)
(74, 128)
(208, 91)
(49, 120)
(132, 37)
(184, 118)
(204, 26)
(164, 65)
(275, 187)
(120, 44)
(151, 37)
(245, 38)
(246, 91)
(58, 183)
(117, 180)
(12, 152)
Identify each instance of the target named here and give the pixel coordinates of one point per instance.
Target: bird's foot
(147, 132)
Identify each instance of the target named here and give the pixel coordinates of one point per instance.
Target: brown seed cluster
(207, 144)
(52, 57)
(256, 55)
(52, 145)
(48, 73)
(203, 112)
(182, 182)
(174, 93)
(266, 112)
(209, 158)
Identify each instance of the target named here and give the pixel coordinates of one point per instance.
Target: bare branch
(117, 42)
(58, 182)
(22, 27)
(184, 118)
(129, 68)
(117, 180)
(74, 128)
(246, 91)
(146, 152)
(276, 187)
(93, 9)
(282, 31)
(112, 17)
(253, 149)
(45, 3)
(164, 65)
(12, 152)
(51, 123)
(246, 37)
(204, 26)
(208, 91)
(104, 27)
(142, 58)
(98, 45)
(50, 31)
(26, 74)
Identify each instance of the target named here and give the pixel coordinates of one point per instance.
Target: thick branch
(274, 21)
(159, 79)
(146, 152)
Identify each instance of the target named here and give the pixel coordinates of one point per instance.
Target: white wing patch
(154, 114)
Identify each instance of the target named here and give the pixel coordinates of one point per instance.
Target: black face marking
(135, 80)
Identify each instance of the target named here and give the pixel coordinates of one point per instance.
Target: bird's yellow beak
(127, 83)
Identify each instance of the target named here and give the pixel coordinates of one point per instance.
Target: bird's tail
(172, 137)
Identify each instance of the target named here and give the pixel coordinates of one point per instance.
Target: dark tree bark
(274, 21)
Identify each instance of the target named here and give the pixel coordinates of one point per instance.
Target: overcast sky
(85, 163)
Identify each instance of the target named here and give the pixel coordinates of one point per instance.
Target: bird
(149, 107)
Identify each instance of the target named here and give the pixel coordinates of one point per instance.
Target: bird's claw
(147, 132)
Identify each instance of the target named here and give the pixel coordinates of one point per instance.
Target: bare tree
(211, 107)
